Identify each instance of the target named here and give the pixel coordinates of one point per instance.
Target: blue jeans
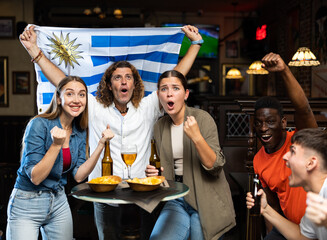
(178, 221)
(107, 221)
(31, 211)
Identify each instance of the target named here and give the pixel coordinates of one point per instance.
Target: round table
(128, 198)
(180, 190)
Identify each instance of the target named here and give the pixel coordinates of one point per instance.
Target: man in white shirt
(120, 104)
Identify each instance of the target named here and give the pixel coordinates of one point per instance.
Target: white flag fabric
(88, 52)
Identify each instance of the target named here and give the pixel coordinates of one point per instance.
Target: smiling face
(122, 86)
(172, 96)
(270, 128)
(73, 99)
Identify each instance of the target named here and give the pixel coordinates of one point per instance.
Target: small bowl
(143, 187)
(105, 187)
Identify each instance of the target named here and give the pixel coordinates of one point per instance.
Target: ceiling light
(97, 10)
(118, 13)
(234, 73)
(87, 11)
(304, 57)
(256, 68)
(102, 15)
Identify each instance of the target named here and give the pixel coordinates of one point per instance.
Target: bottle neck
(107, 156)
(107, 149)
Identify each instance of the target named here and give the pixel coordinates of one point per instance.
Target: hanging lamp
(234, 73)
(256, 68)
(304, 57)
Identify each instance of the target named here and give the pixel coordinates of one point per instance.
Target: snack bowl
(145, 184)
(105, 183)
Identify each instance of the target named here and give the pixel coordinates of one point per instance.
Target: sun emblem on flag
(64, 49)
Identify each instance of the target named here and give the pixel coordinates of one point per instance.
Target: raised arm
(303, 116)
(87, 167)
(187, 61)
(52, 72)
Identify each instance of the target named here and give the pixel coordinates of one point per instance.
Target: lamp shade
(304, 57)
(256, 68)
(87, 11)
(234, 73)
(118, 13)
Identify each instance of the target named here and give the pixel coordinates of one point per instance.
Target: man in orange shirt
(270, 126)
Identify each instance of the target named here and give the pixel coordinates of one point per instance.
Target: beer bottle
(107, 161)
(255, 210)
(154, 158)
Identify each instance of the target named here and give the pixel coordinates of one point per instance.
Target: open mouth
(124, 90)
(170, 105)
(266, 138)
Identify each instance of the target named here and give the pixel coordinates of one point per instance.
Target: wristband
(37, 58)
(197, 42)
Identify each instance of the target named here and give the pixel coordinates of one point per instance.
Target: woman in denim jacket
(54, 144)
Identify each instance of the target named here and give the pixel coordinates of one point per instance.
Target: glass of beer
(128, 154)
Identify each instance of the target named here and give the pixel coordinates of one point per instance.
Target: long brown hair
(105, 96)
(55, 109)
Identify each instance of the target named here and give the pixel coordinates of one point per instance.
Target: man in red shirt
(270, 126)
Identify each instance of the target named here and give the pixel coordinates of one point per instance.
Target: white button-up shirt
(136, 127)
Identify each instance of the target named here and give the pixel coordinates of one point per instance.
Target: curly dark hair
(105, 96)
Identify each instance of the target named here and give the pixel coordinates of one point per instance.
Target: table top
(120, 195)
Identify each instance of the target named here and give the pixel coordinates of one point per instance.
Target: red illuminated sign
(261, 32)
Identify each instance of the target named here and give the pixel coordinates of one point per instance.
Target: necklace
(124, 111)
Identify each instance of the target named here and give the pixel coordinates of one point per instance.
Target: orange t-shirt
(273, 173)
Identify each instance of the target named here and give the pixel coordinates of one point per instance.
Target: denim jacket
(37, 141)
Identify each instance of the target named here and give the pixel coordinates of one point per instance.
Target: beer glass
(128, 154)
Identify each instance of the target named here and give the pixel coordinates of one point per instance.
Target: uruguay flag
(88, 52)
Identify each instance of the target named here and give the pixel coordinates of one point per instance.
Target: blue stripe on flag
(149, 76)
(146, 93)
(42, 77)
(162, 57)
(93, 79)
(47, 97)
(131, 41)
